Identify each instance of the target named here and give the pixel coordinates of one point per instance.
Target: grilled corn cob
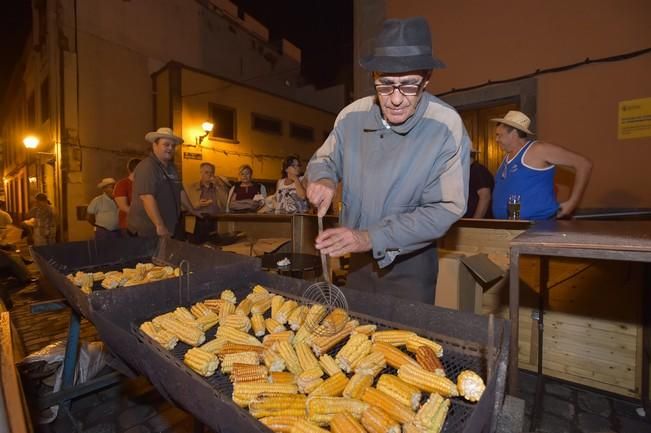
(334, 321)
(309, 380)
(427, 381)
(202, 362)
(354, 350)
(343, 422)
(365, 329)
(315, 314)
(259, 290)
(470, 385)
(244, 307)
(249, 373)
(229, 348)
(282, 377)
(273, 360)
(214, 304)
(415, 341)
(277, 301)
(375, 420)
(305, 357)
(390, 405)
(207, 321)
(329, 365)
(372, 364)
(322, 409)
(332, 387)
(284, 311)
(402, 392)
(248, 358)
(393, 356)
(200, 309)
(235, 336)
(160, 335)
(357, 385)
(275, 405)
(270, 339)
(304, 333)
(185, 332)
(273, 326)
(297, 317)
(261, 306)
(237, 321)
(431, 415)
(225, 310)
(321, 344)
(183, 314)
(214, 346)
(428, 360)
(303, 426)
(287, 352)
(229, 296)
(394, 337)
(280, 423)
(257, 321)
(245, 392)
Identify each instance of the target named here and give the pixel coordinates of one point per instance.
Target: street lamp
(207, 129)
(31, 142)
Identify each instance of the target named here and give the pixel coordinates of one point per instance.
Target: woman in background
(290, 191)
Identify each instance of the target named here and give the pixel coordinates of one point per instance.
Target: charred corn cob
(365, 329)
(427, 381)
(273, 360)
(315, 314)
(249, 373)
(280, 423)
(334, 321)
(372, 364)
(214, 304)
(357, 385)
(303, 426)
(282, 377)
(402, 392)
(354, 350)
(415, 341)
(245, 392)
(277, 301)
(261, 306)
(428, 360)
(235, 336)
(207, 321)
(275, 405)
(270, 339)
(284, 311)
(321, 344)
(257, 322)
(297, 317)
(200, 309)
(229, 348)
(273, 326)
(287, 352)
(185, 332)
(390, 405)
(237, 321)
(202, 362)
(322, 409)
(343, 422)
(375, 420)
(309, 380)
(431, 415)
(329, 365)
(160, 335)
(393, 356)
(332, 387)
(244, 307)
(470, 385)
(248, 358)
(394, 337)
(225, 310)
(306, 357)
(229, 296)
(214, 346)
(183, 314)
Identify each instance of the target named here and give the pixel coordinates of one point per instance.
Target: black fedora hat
(402, 45)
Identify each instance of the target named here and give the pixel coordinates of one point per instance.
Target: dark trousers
(203, 228)
(101, 233)
(411, 276)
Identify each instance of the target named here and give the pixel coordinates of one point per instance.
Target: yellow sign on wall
(634, 119)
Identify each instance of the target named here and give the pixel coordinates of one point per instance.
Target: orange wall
(481, 41)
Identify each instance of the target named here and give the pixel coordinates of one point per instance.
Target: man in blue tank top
(528, 171)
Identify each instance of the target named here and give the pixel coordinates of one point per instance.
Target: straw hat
(163, 133)
(105, 182)
(517, 120)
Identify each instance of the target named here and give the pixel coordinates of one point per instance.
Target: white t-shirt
(106, 212)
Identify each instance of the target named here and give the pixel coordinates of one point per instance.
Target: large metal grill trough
(467, 342)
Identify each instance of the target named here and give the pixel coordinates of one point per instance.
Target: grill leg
(72, 349)
(514, 317)
(542, 302)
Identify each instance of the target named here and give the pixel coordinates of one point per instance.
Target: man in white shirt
(102, 212)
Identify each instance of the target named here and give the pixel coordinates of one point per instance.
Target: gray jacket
(406, 184)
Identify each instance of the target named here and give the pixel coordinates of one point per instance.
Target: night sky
(322, 29)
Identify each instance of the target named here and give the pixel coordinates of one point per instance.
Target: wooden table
(606, 240)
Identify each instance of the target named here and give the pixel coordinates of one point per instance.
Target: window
(31, 112)
(45, 100)
(301, 132)
(223, 119)
(270, 125)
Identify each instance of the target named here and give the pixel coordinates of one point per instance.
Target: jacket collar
(373, 121)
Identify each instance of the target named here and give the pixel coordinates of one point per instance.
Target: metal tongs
(324, 258)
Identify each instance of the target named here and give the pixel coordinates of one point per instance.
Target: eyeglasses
(405, 89)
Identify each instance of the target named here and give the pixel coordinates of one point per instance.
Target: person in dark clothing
(480, 190)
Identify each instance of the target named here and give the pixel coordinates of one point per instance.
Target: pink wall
(495, 40)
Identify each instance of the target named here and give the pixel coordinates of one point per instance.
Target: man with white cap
(528, 171)
(158, 194)
(402, 156)
(102, 212)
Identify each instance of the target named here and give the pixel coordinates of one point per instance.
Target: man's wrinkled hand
(341, 241)
(162, 231)
(320, 194)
